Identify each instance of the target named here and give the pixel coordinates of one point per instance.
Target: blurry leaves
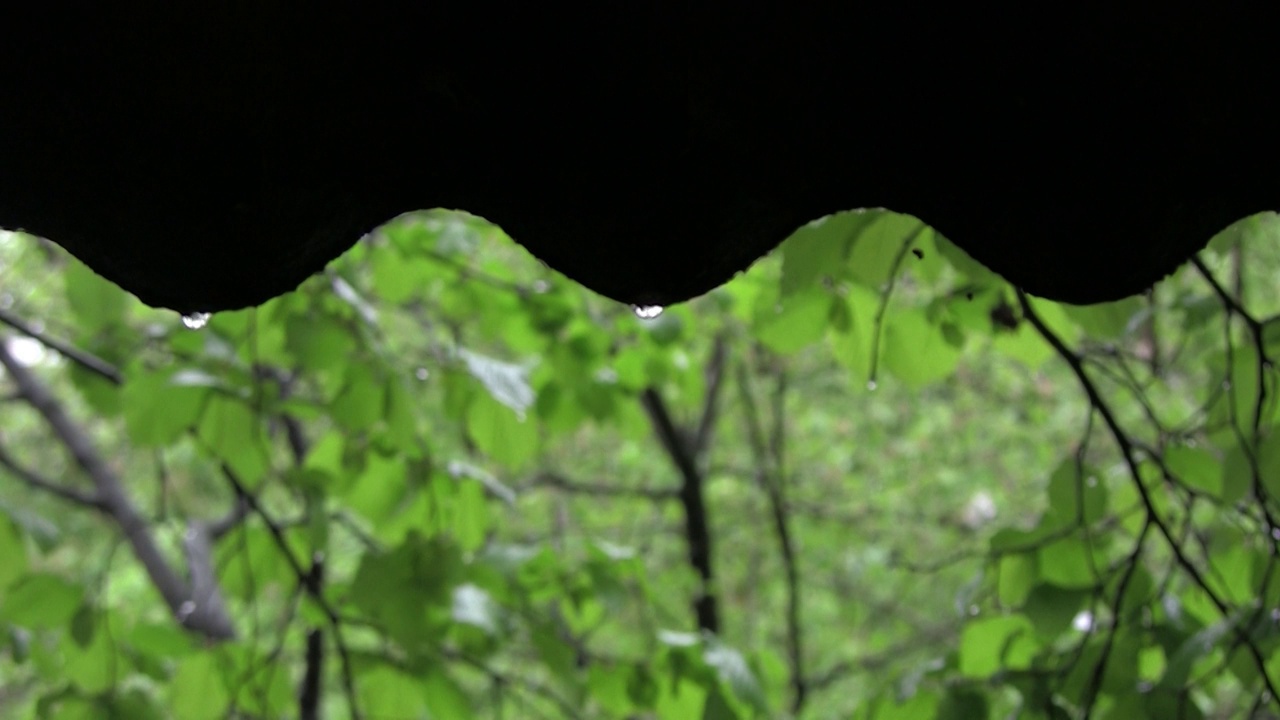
(40, 601)
(198, 690)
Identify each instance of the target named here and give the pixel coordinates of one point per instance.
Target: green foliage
(927, 496)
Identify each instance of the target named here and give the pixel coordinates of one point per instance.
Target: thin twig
(306, 580)
(1122, 440)
(885, 297)
(88, 361)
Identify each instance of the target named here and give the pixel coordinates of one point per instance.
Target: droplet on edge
(871, 385)
(196, 320)
(647, 312)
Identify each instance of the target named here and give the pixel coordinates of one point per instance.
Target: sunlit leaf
(915, 350)
(795, 321)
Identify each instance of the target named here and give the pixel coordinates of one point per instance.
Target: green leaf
(1196, 647)
(988, 645)
(1051, 609)
(1068, 563)
(445, 698)
(96, 302)
(1196, 468)
(160, 407)
(1017, 576)
(1076, 496)
(232, 433)
(470, 516)
(380, 488)
(408, 591)
(318, 342)
(795, 321)
(93, 666)
(915, 350)
(608, 687)
(500, 433)
(385, 692)
(819, 249)
(198, 690)
(14, 552)
(879, 246)
(852, 348)
(40, 601)
(362, 400)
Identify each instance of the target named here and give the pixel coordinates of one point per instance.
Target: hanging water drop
(647, 312)
(195, 320)
(871, 385)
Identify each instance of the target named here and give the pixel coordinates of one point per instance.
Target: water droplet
(1226, 384)
(1275, 533)
(541, 286)
(195, 320)
(871, 385)
(186, 609)
(974, 610)
(421, 373)
(647, 312)
(1091, 481)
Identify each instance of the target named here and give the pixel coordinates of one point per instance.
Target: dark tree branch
(711, 405)
(1127, 451)
(697, 527)
(88, 361)
(308, 579)
(203, 614)
(310, 691)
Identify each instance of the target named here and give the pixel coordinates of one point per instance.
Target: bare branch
(88, 361)
(198, 614)
(710, 406)
(697, 527)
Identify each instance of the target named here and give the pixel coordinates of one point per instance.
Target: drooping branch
(204, 613)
